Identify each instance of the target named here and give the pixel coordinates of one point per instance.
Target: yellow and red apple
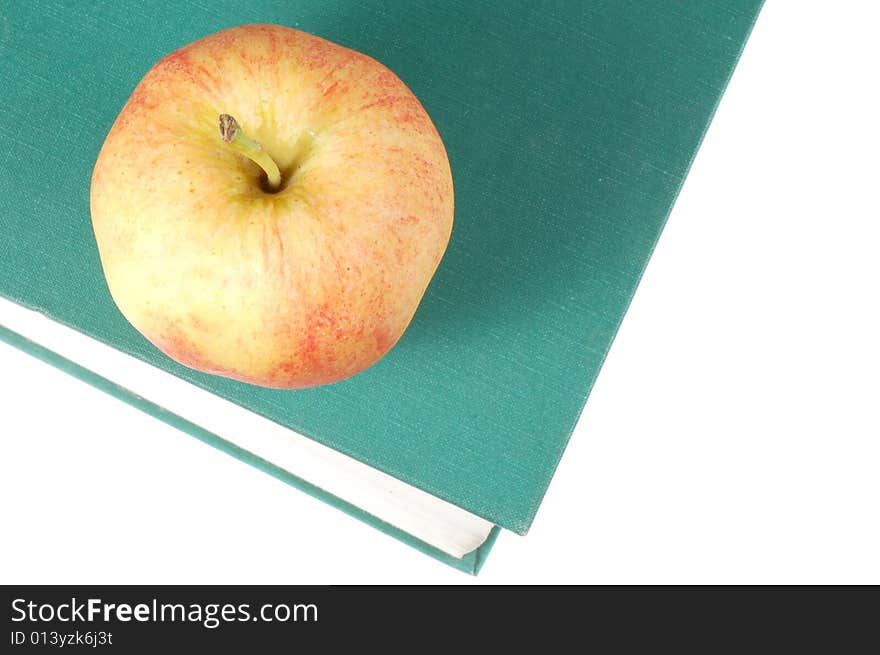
(289, 243)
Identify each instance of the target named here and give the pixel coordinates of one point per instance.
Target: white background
(732, 437)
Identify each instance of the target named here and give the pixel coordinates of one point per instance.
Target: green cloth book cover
(570, 127)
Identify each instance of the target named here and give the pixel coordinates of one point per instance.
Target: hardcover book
(569, 126)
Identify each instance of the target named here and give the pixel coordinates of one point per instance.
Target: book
(570, 128)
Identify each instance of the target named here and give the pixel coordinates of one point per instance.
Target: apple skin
(293, 289)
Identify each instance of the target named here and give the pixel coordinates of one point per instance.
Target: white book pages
(437, 522)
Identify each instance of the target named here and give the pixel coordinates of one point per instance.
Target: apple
(270, 207)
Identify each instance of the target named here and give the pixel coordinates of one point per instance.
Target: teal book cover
(569, 126)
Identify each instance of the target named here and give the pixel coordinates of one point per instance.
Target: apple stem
(231, 133)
